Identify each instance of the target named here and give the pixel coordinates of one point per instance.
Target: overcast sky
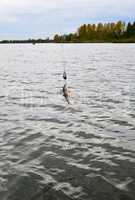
(41, 18)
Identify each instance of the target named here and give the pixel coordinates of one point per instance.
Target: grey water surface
(50, 150)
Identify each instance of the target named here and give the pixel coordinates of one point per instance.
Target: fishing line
(65, 88)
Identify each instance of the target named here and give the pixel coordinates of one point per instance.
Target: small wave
(121, 122)
(2, 96)
(112, 101)
(53, 120)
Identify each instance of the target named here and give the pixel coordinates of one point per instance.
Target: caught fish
(66, 93)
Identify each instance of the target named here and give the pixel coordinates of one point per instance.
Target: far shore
(53, 42)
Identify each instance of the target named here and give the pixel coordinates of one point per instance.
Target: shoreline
(99, 42)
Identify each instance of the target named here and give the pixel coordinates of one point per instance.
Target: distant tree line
(101, 32)
(107, 32)
(32, 41)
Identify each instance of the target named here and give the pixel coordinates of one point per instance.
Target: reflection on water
(51, 150)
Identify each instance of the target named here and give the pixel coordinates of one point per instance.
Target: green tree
(82, 32)
(119, 28)
(56, 38)
(100, 30)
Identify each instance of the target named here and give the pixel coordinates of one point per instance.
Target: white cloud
(15, 8)
(62, 15)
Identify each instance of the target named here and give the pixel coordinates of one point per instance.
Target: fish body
(66, 93)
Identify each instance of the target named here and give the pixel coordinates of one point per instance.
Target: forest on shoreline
(114, 32)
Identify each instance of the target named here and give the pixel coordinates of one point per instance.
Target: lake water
(50, 150)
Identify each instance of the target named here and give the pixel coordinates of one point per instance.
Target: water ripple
(52, 150)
